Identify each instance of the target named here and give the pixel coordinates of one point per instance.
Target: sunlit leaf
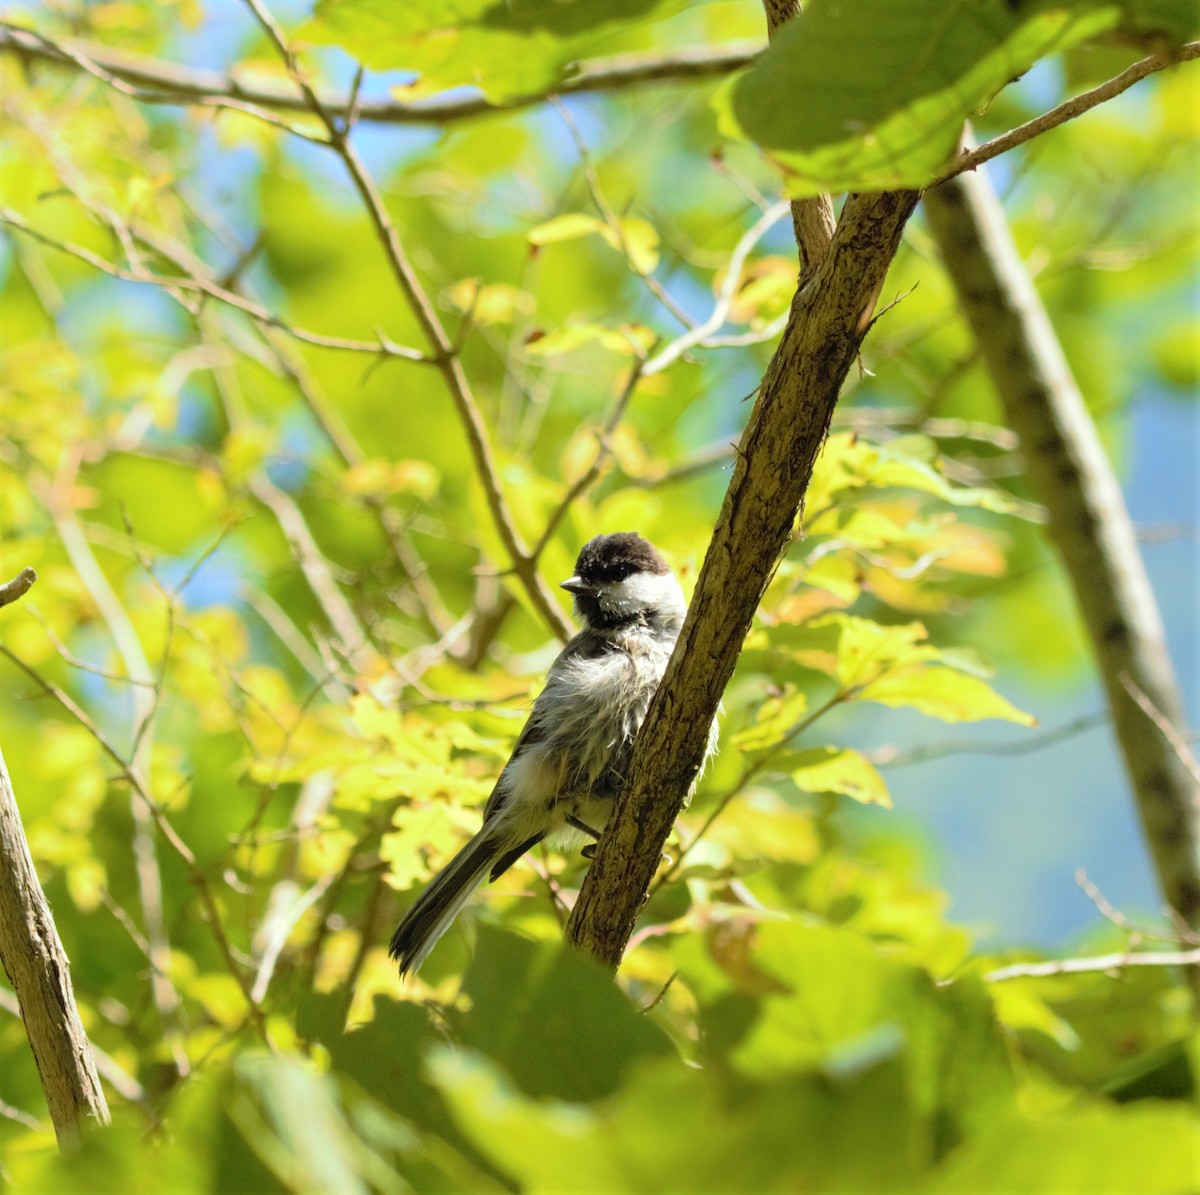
(505, 50)
(943, 693)
(839, 770)
(874, 96)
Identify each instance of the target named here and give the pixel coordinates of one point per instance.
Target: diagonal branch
(18, 587)
(171, 83)
(445, 355)
(774, 463)
(1068, 110)
(382, 347)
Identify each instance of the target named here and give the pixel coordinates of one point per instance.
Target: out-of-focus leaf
(1144, 1148)
(505, 49)
(773, 720)
(874, 95)
(838, 770)
(572, 337)
(553, 1018)
(943, 693)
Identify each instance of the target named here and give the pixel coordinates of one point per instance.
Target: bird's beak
(575, 585)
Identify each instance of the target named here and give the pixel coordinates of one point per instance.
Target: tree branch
(382, 347)
(445, 356)
(812, 218)
(1102, 962)
(170, 83)
(1088, 522)
(774, 463)
(1068, 110)
(36, 964)
(18, 587)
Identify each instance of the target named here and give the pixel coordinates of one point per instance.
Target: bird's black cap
(616, 556)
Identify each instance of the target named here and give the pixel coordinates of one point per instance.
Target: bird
(569, 761)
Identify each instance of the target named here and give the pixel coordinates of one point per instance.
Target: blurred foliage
(272, 584)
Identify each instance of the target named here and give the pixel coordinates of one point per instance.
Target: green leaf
(839, 770)
(553, 1018)
(549, 1146)
(873, 95)
(943, 693)
(1150, 1149)
(506, 48)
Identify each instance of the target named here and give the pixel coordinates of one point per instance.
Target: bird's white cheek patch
(643, 591)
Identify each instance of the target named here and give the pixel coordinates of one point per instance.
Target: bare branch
(775, 459)
(382, 347)
(18, 587)
(1110, 913)
(123, 1083)
(444, 356)
(172, 83)
(1087, 519)
(720, 313)
(1110, 963)
(1166, 729)
(1069, 110)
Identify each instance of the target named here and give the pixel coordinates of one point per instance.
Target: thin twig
(169, 833)
(725, 296)
(612, 220)
(382, 347)
(603, 452)
(279, 936)
(1136, 932)
(146, 693)
(1068, 110)
(423, 311)
(890, 756)
(761, 764)
(1104, 962)
(1176, 741)
(173, 83)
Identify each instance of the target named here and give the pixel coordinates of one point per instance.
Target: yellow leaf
(424, 840)
(640, 242)
(943, 693)
(839, 770)
(496, 303)
(567, 227)
(762, 825)
(775, 717)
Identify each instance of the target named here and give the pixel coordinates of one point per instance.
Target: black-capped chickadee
(569, 761)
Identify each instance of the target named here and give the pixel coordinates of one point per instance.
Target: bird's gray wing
(585, 645)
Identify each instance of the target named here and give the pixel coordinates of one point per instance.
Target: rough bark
(37, 967)
(1088, 522)
(829, 318)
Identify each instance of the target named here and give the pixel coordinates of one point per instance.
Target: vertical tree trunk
(1088, 521)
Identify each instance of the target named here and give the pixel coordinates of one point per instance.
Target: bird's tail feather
(440, 903)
